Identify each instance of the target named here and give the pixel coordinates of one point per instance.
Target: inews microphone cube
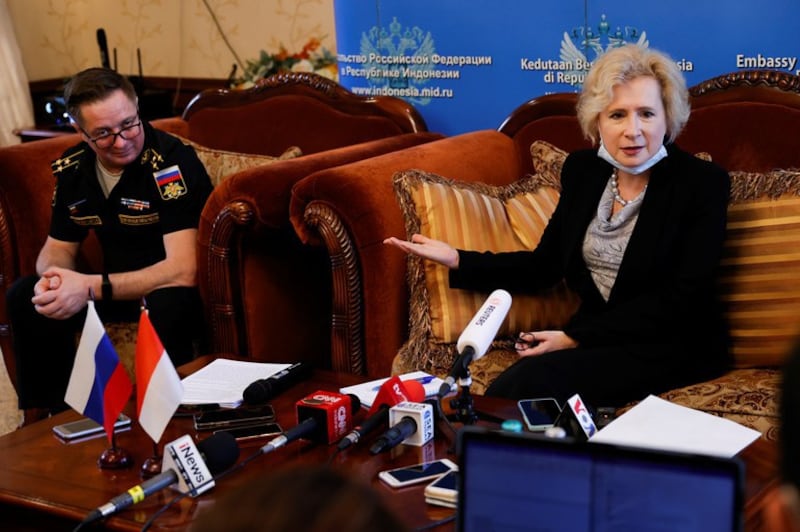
(333, 413)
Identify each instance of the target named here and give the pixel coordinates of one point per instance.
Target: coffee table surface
(47, 483)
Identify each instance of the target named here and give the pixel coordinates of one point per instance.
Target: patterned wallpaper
(177, 38)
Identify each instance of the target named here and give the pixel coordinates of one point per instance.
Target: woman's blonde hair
(623, 64)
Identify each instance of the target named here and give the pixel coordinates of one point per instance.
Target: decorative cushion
(221, 164)
(479, 217)
(759, 282)
(748, 396)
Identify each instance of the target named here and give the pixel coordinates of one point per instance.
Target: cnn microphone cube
(332, 411)
(422, 413)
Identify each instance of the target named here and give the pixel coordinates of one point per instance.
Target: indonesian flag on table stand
(159, 390)
(99, 386)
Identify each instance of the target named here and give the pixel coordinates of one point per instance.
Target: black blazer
(665, 289)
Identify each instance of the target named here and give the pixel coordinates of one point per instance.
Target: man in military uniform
(141, 191)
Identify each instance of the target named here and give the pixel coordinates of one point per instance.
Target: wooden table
(48, 485)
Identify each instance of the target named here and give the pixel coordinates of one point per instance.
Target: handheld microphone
(411, 423)
(392, 392)
(263, 390)
(322, 417)
(103, 44)
(190, 466)
(576, 420)
(478, 336)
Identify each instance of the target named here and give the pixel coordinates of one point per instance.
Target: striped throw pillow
(760, 269)
(479, 217)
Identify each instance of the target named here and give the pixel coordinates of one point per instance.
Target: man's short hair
(93, 85)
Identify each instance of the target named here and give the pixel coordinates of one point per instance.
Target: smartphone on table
(253, 432)
(409, 475)
(88, 427)
(443, 491)
(234, 417)
(539, 414)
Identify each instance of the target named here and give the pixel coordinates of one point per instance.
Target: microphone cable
(440, 416)
(435, 524)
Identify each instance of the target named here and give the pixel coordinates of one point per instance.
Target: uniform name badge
(170, 182)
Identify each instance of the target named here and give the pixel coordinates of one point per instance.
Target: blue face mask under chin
(635, 170)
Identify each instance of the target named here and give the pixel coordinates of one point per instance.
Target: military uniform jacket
(162, 191)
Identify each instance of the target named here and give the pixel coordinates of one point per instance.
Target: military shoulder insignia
(70, 160)
(170, 182)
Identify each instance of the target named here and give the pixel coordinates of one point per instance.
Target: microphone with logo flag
(576, 420)
(321, 417)
(410, 423)
(188, 467)
(392, 392)
(99, 386)
(478, 336)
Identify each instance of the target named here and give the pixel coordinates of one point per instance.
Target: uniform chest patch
(170, 182)
(134, 204)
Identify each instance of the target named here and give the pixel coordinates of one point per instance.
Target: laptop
(524, 481)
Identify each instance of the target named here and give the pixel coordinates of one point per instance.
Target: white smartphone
(539, 414)
(87, 427)
(407, 476)
(443, 491)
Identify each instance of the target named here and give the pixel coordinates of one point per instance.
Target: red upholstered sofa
(746, 121)
(265, 296)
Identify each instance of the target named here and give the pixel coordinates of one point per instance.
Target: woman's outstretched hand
(427, 248)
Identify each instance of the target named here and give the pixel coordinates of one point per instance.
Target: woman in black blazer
(637, 234)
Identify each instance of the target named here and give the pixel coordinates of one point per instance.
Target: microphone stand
(463, 404)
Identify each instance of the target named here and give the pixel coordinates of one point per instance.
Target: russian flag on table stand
(159, 389)
(99, 386)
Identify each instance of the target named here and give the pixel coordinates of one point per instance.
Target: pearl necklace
(615, 190)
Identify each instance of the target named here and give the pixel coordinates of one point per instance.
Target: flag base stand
(115, 458)
(152, 465)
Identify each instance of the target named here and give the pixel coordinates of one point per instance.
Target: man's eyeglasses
(106, 140)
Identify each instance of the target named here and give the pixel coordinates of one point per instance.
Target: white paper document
(367, 391)
(659, 424)
(223, 381)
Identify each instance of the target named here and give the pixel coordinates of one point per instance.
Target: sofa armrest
(26, 190)
(267, 295)
(352, 208)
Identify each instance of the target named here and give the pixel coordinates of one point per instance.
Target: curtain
(16, 108)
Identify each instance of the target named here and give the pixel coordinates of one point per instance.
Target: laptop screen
(523, 481)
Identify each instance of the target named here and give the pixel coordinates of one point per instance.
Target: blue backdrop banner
(467, 64)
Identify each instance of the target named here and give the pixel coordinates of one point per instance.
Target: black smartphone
(539, 414)
(234, 417)
(253, 432)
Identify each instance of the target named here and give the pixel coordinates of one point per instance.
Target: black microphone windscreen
(220, 451)
(355, 403)
(263, 390)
